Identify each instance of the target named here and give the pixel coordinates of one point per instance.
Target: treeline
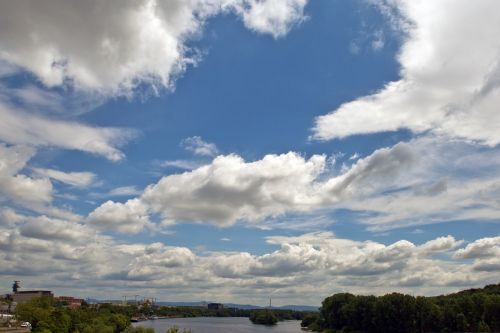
(176, 312)
(474, 310)
(48, 315)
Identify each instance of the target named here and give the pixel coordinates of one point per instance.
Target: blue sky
(232, 150)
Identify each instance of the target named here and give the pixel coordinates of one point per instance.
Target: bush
(263, 318)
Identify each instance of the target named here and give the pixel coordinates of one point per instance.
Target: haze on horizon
(236, 150)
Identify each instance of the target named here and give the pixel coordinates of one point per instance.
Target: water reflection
(221, 325)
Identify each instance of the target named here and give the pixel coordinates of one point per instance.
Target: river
(221, 325)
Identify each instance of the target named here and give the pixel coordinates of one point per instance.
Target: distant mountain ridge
(244, 306)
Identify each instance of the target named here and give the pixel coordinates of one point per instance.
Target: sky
(236, 150)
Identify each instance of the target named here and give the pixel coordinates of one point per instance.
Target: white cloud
(197, 146)
(130, 217)
(124, 191)
(77, 179)
(31, 96)
(19, 127)
(60, 253)
(423, 181)
(181, 164)
(448, 181)
(275, 17)
(440, 244)
(481, 248)
(43, 227)
(18, 187)
(230, 189)
(112, 47)
(449, 76)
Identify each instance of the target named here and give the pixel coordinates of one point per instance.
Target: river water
(221, 325)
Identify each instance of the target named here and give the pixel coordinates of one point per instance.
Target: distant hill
(491, 289)
(243, 306)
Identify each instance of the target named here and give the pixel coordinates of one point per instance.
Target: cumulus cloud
(129, 217)
(440, 244)
(197, 146)
(43, 227)
(313, 264)
(482, 248)
(230, 189)
(426, 180)
(485, 253)
(112, 47)
(449, 76)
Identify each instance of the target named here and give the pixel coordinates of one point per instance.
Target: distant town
(9, 301)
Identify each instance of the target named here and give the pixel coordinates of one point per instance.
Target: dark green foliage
(184, 311)
(263, 317)
(395, 313)
(474, 310)
(47, 315)
(309, 319)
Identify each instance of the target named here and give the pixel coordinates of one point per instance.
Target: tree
(263, 317)
(492, 312)
(331, 310)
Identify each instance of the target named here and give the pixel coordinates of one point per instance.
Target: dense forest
(473, 310)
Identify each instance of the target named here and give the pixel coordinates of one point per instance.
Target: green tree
(395, 313)
(492, 312)
(331, 310)
(263, 317)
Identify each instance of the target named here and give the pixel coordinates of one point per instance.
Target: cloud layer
(449, 76)
(426, 180)
(72, 256)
